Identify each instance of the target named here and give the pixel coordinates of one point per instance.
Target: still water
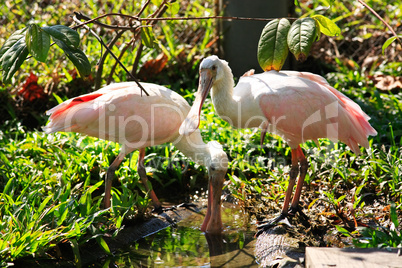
(184, 245)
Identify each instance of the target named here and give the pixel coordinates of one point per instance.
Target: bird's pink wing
(352, 107)
(302, 106)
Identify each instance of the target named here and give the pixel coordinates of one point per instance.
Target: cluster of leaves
(279, 36)
(35, 40)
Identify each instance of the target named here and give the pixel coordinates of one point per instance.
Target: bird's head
(218, 163)
(212, 71)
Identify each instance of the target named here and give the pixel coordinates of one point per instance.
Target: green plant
(377, 236)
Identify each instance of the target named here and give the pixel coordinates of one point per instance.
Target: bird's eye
(213, 68)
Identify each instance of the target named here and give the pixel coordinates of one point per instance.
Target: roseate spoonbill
(120, 113)
(298, 106)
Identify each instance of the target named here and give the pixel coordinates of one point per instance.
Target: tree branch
(114, 56)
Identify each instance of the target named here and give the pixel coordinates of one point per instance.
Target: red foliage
(30, 90)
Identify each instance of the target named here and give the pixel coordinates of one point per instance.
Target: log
(276, 248)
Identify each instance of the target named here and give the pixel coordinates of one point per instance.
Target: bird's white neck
(222, 95)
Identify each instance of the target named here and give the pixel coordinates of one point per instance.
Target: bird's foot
(282, 218)
(266, 225)
(297, 210)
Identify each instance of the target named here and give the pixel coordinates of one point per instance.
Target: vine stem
(380, 18)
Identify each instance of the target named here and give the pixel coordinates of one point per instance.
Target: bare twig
(114, 56)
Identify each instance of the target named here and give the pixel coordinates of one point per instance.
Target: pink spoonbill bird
(298, 106)
(120, 113)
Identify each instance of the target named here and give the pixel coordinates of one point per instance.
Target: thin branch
(109, 80)
(148, 19)
(210, 17)
(114, 56)
(143, 8)
(88, 20)
(137, 59)
(98, 77)
(381, 19)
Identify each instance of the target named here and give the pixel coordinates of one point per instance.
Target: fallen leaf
(153, 67)
(387, 82)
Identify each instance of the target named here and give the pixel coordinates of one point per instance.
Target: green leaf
(58, 99)
(301, 36)
(394, 215)
(174, 8)
(62, 217)
(147, 37)
(387, 42)
(10, 42)
(103, 244)
(343, 230)
(327, 26)
(157, 2)
(76, 251)
(12, 54)
(272, 46)
(38, 42)
(65, 34)
(78, 57)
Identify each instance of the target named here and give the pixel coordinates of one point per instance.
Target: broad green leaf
(78, 57)
(147, 37)
(272, 46)
(301, 36)
(10, 42)
(327, 26)
(65, 34)
(38, 42)
(12, 54)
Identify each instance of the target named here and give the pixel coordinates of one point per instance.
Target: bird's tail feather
(62, 116)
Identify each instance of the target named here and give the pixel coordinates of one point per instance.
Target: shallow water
(185, 245)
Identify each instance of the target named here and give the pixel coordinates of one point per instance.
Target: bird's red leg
(294, 170)
(303, 171)
(110, 175)
(143, 175)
